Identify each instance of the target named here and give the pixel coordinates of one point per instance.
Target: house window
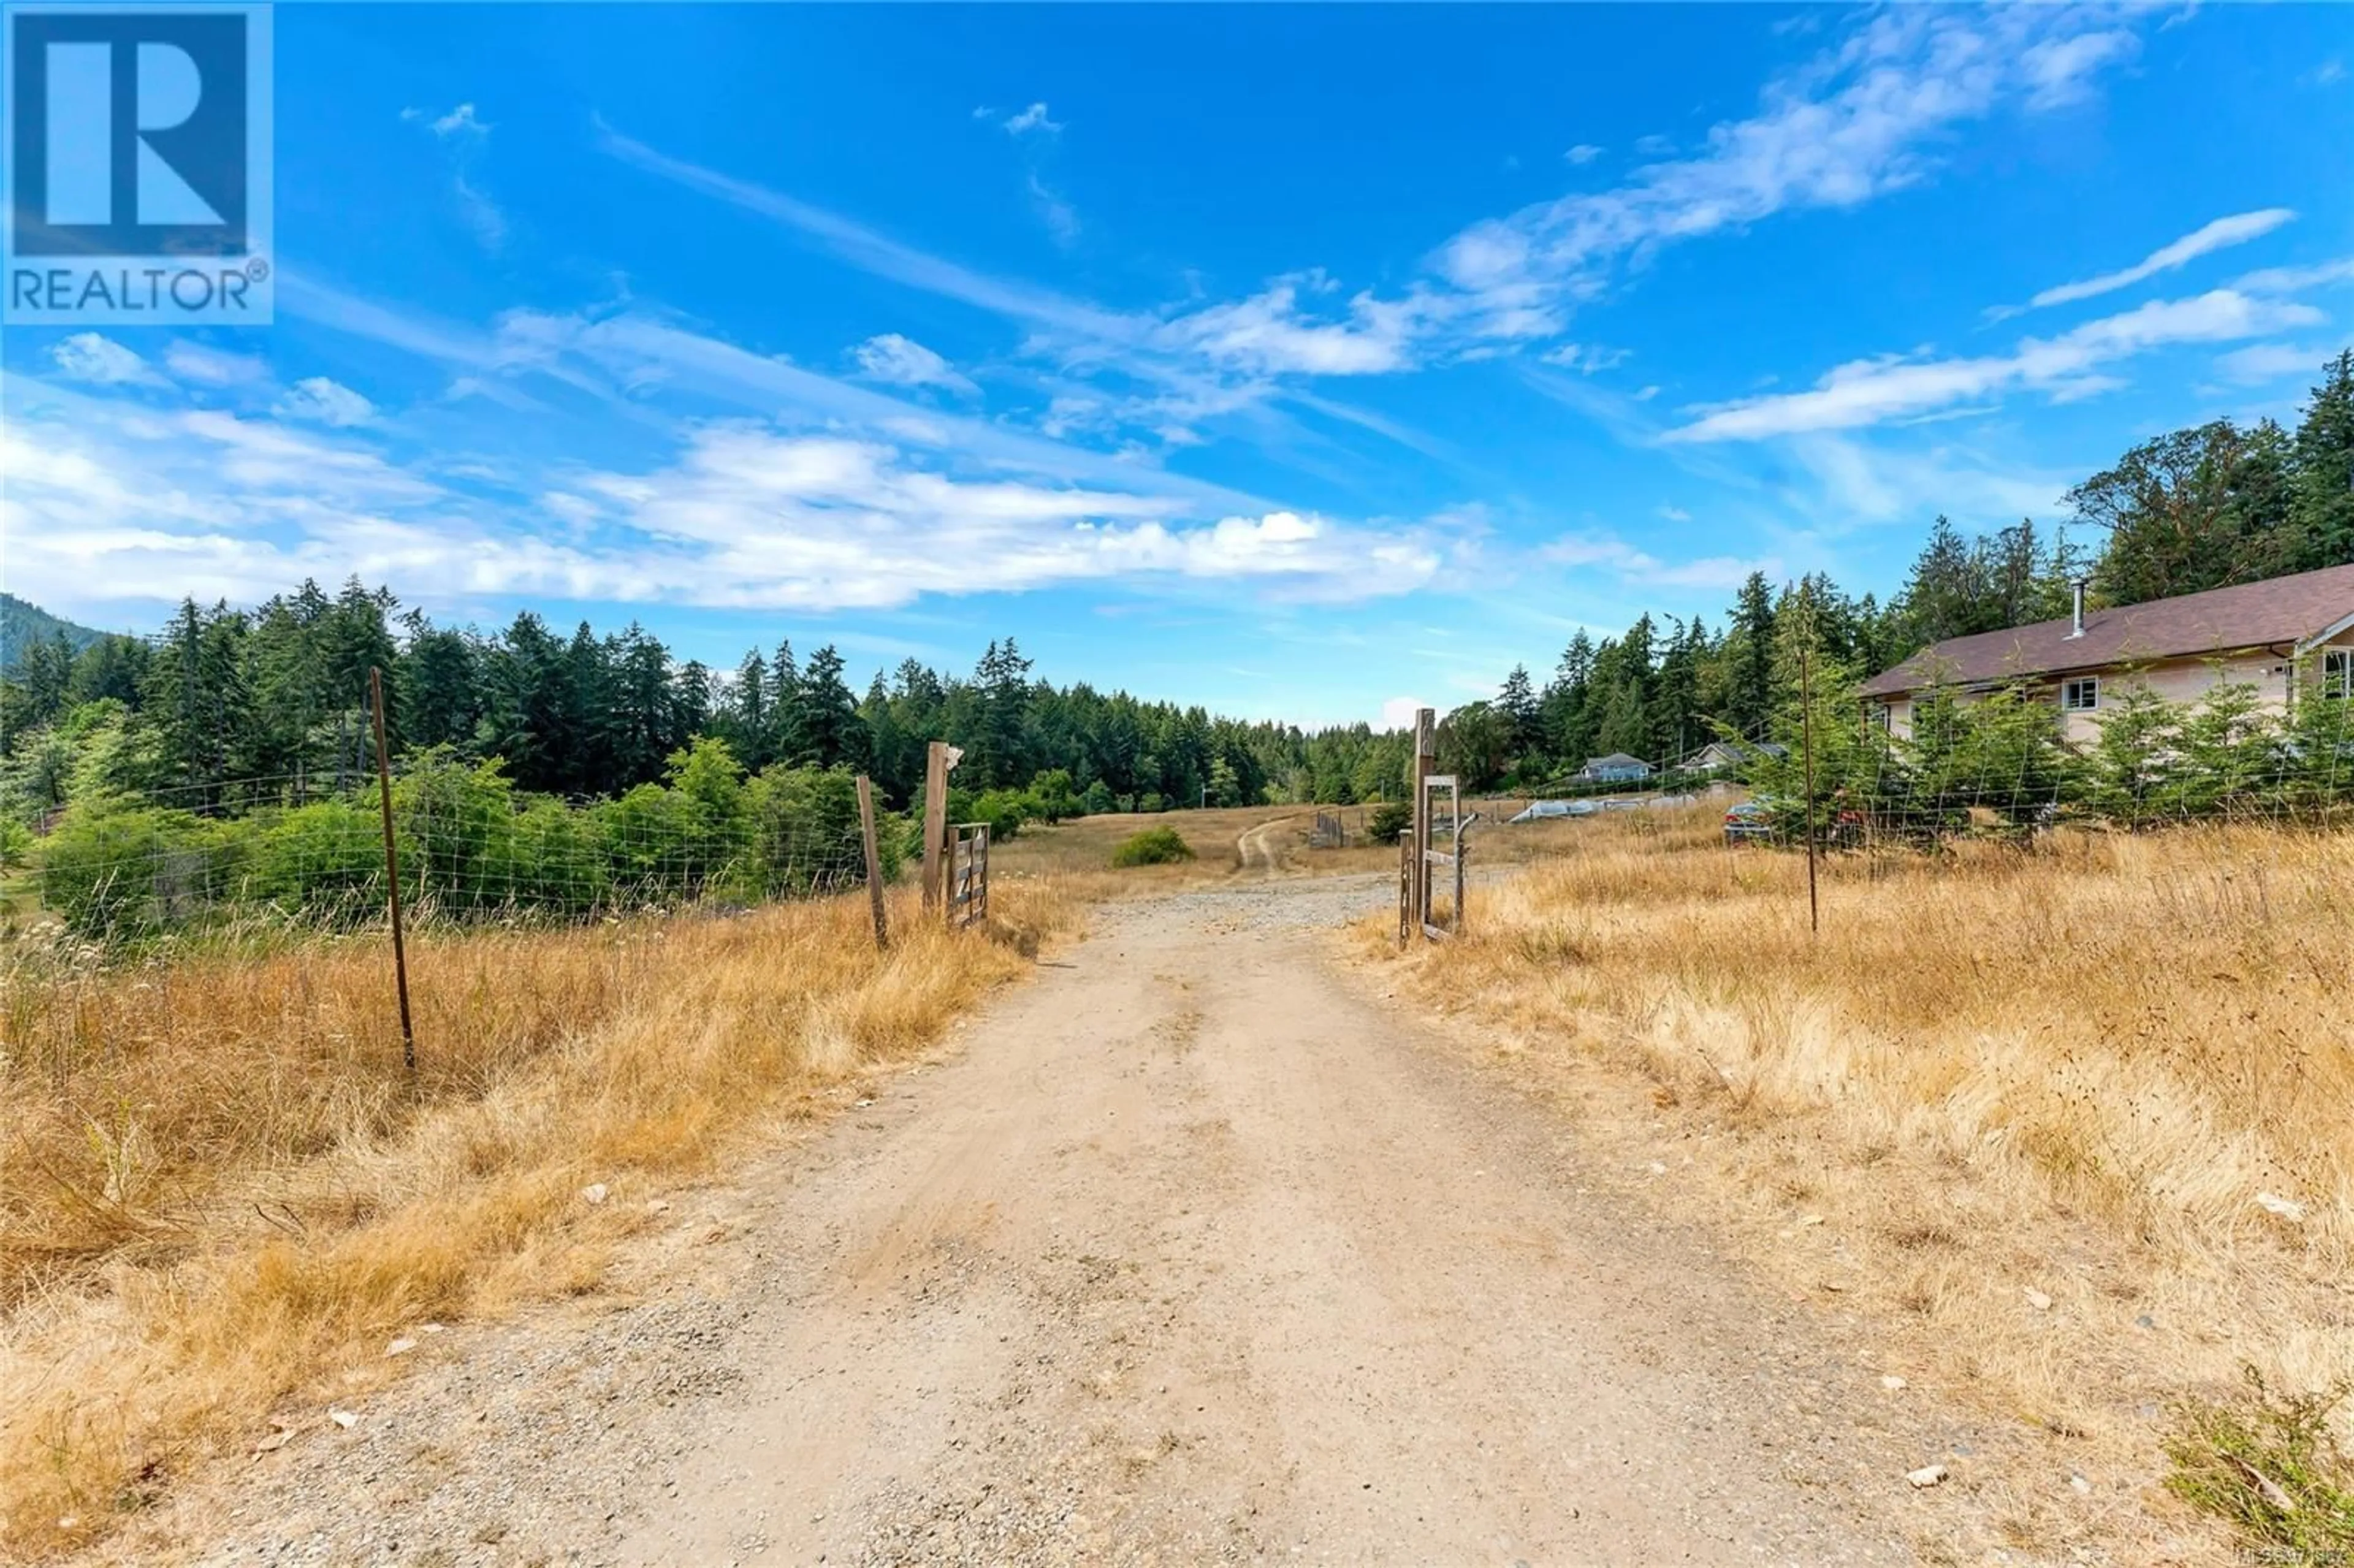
(1883, 714)
(2338, 673)
(2079, 696)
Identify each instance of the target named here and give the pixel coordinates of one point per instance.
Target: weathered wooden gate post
(1426, 758)
(936, 763)
(874, 861)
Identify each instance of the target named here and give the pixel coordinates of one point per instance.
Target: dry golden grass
(217, 1190)
(2068, 1071)
(1084, 845)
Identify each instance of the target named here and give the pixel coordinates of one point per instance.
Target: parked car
(1776, 821)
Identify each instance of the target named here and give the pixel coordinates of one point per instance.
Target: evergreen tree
(1518, 702)
(830, 734)
(2322, 489)
(1749, 656)
(1569, 712)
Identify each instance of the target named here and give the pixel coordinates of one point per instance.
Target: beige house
(2285, 637)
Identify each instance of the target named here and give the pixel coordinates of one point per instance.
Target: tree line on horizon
(232, 709)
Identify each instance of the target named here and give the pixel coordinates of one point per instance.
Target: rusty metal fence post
(392, 871)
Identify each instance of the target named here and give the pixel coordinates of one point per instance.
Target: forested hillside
(24, 625)
(228, 706)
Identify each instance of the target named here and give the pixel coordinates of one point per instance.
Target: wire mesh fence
(469, 847)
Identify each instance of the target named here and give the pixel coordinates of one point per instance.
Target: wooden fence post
(935, 820)
(1426, 758)
(392, 871)
(874, 861)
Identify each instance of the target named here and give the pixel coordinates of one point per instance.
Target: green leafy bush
(1153, 846)
(1388, 819)
(329, 852)
(112, 872)
(2267, 1463)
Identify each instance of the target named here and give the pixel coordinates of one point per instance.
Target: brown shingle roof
(2252, 615)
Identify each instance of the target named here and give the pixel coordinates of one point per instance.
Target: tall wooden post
(874, 861)
(1425, 759)
(391, 870)
(935, 820)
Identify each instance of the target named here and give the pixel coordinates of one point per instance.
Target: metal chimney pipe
(2077, 628)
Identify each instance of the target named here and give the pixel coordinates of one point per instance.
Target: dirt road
(1256, 848)
(1193, 1254)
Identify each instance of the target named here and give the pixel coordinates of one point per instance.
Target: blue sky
(1300, 361)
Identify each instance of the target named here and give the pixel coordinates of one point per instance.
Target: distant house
(1731, 756)
(1616, 769)
(2283, 636)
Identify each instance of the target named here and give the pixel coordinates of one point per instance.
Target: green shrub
(1153, 846)
(805, 835)
(327, 853)
(549, 859)
(2267, 1463)
(1056, 796)
(122, 873)
(1388, 819)
(1004, 811)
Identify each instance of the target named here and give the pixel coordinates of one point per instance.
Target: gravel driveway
(1187, 1251)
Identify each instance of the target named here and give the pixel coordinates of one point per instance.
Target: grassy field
(220, 1195)
(2074, 1123)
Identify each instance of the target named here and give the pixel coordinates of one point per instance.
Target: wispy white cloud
(872, 251)
(484, 216)
(459, 123)
(2059, 70)
(1874, 391)
(100, 360)
(742, 513)
(1583, 154)
(321, 401)
(211, 367)
(1586, 359)
(2218, 234)
(903, 362)
(2262, 363)
(1865, 117)
(1270, 333)
(411, 331)
(1607, 552)
(1062, 219)
(1854, 480)
(466, 135)
(1032, 121)
(1860, 119)
(2295, 279)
